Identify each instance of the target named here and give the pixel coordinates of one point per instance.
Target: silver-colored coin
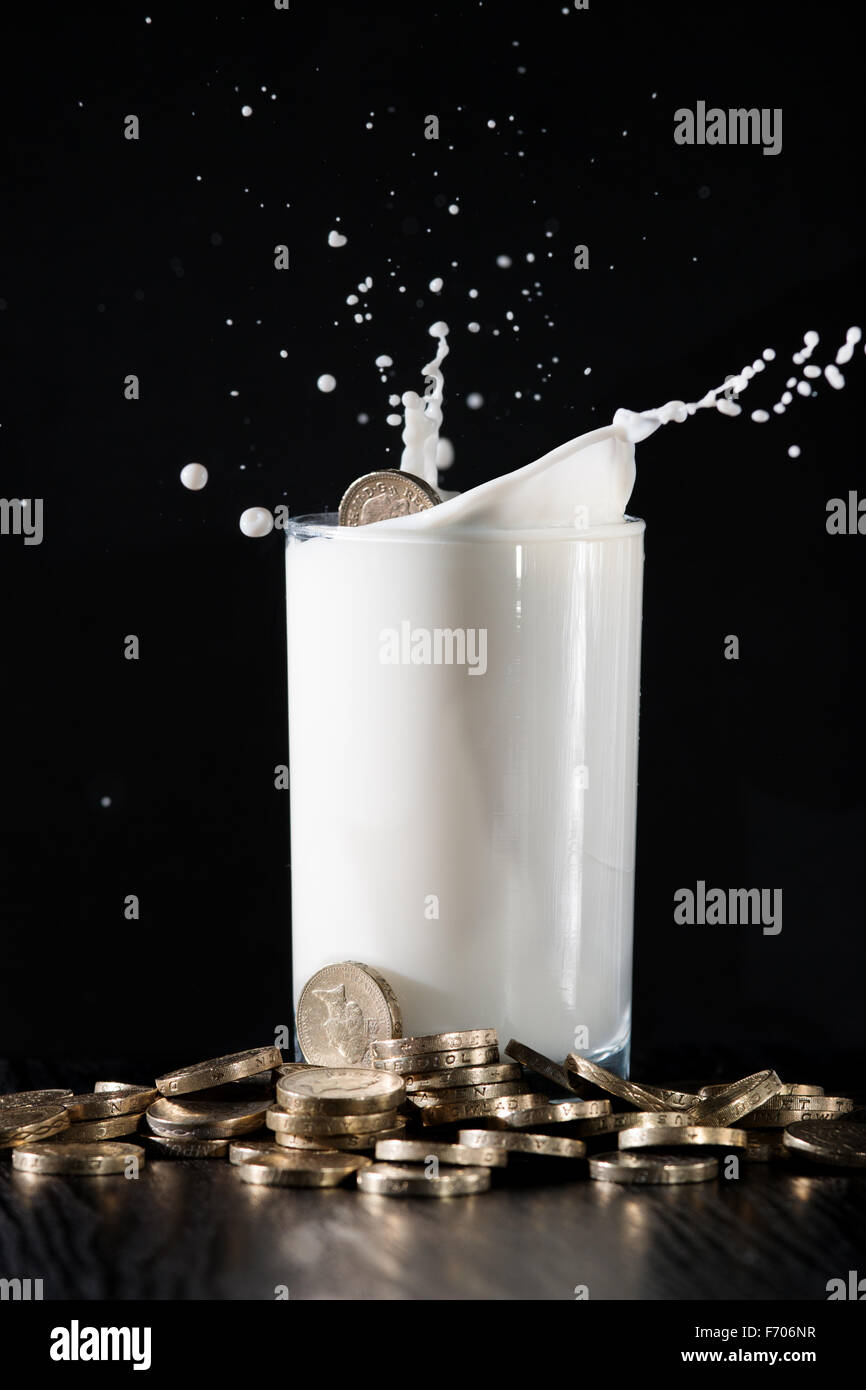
(638, 1096)
(24, 1100)
(178, 1147)
(457, 1155)
(777, 1117)
(737, 1101)
(522, 1142)
(387, 493)
(406, 1180)
(288, 1169)
(424, 1100)
(631, 1119)
(84, 1159)
(786, 1089)
(101, 1105)
(233, 1067)
(344, 1143)
(503, 1108)
(652, 1168)
(556, 1112)
(455, 1077)
(89, 1131)
(840, 1142)
(683, 1136)
(439, 1061)
(321, 1125)
(324, 1091)
(387, 1049)
(206, 1119)
(341, 1010)
(546, 1067)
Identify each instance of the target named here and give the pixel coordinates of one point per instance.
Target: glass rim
(325, 525)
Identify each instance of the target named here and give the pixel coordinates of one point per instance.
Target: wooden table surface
(191, 1230)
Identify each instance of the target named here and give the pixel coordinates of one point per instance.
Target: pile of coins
(438, 1115)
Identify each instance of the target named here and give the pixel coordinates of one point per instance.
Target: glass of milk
(463, 725)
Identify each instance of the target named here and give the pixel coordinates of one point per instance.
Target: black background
(116, 260)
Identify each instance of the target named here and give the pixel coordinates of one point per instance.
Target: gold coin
(385, 494)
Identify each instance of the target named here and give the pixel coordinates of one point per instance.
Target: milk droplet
(812, 371)
(759, 416)
(474, 327)
(491, 125)
(352, 299)
(769, 354)
(336, 239)
(246, 110)
(444, 453)
(256, 522)
(804, 388)
(326, 382)
(503, 262)
(436, 285)
(453, 209)
(193, 476)
(363, 419)
(794, 451)
(393, 419)
(835, 377)
(384, 361)
(475, 400)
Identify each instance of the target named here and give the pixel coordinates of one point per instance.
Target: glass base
(617, 1060)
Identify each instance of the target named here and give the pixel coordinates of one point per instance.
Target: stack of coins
(200, 1108)
(452, 1077)
(441, 1111)
(341, 1109)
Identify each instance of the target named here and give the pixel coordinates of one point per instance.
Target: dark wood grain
(191, 1230)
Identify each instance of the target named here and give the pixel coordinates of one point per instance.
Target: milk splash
(586, 482)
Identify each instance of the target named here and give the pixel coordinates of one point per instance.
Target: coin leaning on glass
(340, 1091)
(341, 1009)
